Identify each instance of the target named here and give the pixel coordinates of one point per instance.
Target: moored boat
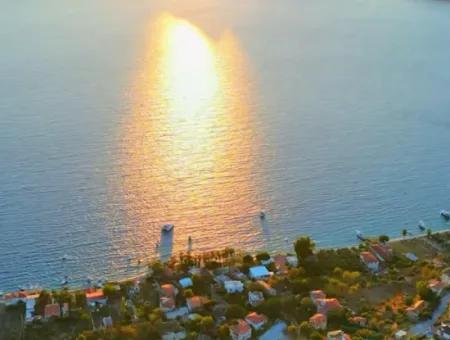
(445, 214)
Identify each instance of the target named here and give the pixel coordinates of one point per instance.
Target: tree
(224, 332)
(304, 247)
(264, 256)
(315, 336)
(235, 312)
(423, 290)
(383, 238)
(305, 329)
(248, 259)
(188, 293)
(404, 232)
(110, 291)
(207, 323)
(429, 232)
(44, 299)
(80, 299)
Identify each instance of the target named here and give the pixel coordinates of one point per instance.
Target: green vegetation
(380, 299)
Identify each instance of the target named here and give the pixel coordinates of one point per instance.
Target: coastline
(145, 264)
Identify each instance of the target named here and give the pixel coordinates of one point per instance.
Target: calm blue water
(348, 127)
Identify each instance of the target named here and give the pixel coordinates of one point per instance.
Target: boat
(421, 225)
(445, 214)
(65, 281)
(262, 214)
(359, 235)
(167, 227)
(190, 240)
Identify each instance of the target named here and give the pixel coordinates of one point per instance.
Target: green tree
(207, 323)
(383, 238)
(235, 312)
(306, 329)
(304, 247)
(110, 291)
(80, 299)
(404, 232)
(429, 232)
(43, 299)
(188, 293)
(423, 290)
(264, 256)
(224, 332)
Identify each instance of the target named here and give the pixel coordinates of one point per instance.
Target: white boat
(262, 214)
(65, 281)
(167, 227)
(359, 235)
(445, 214)
(421, 225)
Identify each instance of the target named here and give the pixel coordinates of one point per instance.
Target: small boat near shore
(360, 236)
(262, 214)
(167, 227)
(445, 214)
(421, 225)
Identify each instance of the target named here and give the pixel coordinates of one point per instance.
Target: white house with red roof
(166, 304)
(326, 305)
(256, 320)
(370, 261)
(316, 295)
(241, 330)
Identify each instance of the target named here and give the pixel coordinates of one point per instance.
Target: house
(370, 261)
(318, 321)
(255, 298)
(280, 263)
(316, 295)
(179, 312)
(401, 335)
(267, 288)
(221, 279)
(382, 251)
(359, 320)
(186, 282)
(234, 286)
(166, 304)
(256, 320)
(194, 303)
(241, 330)
(414, 311)
(326, 305)
(259, 273)
(95, 296)
(107, 322)
(337, 335)
(51, 310)
(445, 276)
(168, 290)
(436, 286)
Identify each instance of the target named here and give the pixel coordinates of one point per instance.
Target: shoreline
(145, 264)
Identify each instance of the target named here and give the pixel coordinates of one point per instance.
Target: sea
(117, 117)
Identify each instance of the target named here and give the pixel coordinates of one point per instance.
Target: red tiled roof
(368, 257)
(326, 305)
(240, 328)
(256, 318)
(168, 289)
(95, 295)
(195, 302)
(381, 250)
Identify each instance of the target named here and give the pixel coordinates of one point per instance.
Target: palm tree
(404, 232)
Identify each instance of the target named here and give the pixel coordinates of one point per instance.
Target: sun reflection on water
(189, 146)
